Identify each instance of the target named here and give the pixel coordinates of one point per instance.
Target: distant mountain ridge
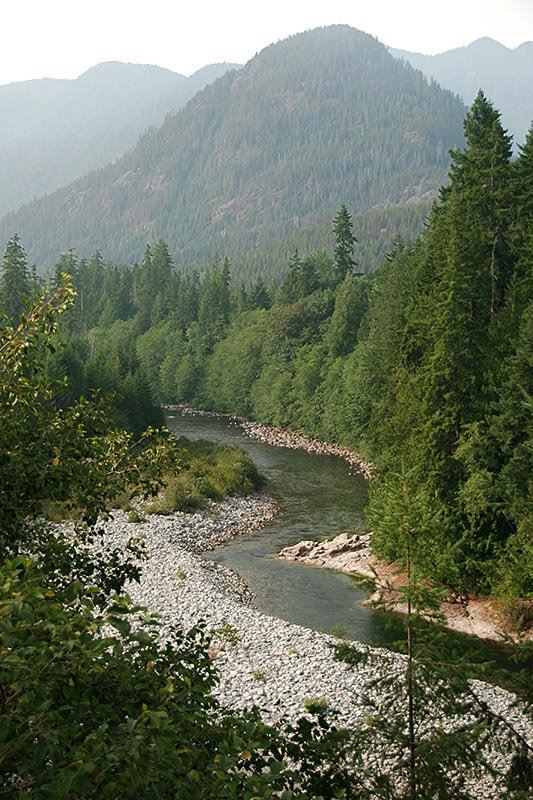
(53, 130)
(263, 158)
(504, 74)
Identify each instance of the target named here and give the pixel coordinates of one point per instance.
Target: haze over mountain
(263, 158)
(504, 74)
(53, 131)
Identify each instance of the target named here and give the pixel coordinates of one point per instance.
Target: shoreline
(472, 615)
(280, 437)
(351, 554)
(261, 660)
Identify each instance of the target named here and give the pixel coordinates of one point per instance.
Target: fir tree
(344, 243)
(290, 289)
(14, 282)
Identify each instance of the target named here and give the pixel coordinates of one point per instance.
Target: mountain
(262, 159)
(502, 73)
(54, 131)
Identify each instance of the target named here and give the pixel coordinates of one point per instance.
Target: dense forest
(258, 163)
(424, 367)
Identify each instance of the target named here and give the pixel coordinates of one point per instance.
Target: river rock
(261, 661)
(347, 552)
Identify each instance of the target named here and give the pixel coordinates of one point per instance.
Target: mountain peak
(268, 153)
(487, 44)
(53, 131)
(120, 68)
(504, 74)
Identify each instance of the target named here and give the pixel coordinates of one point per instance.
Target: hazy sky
(63, 38)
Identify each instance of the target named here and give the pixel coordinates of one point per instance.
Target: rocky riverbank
(351, 553)
(285, 438)
(261, 660)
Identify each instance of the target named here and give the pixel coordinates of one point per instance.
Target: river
(319, 497)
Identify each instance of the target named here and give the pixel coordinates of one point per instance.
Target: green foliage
(73, 455)
(208, 471)
(235, 364)
(93, 706)
(300, 281)
(344, 243)
(408, 522)
(227, 634)
(115, 367)
(348, 653)
(15, 286)
(351, 303)
(135, 516)
(316, 705)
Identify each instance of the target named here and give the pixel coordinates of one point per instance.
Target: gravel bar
(262, 661)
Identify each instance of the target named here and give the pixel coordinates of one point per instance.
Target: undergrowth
(209, 471)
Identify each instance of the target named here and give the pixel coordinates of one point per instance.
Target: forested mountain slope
(260, 161)
(425, 367)
(53, 131)
(502, 73)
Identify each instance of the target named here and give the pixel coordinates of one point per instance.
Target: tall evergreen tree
(290, 289)
(153, 284)
(215, 305)
(91, 278)
(188, 301)
(480, 178)
(469, 240)
(14, 282)
(344, 243)
(258, 296)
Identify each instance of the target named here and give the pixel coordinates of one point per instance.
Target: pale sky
(63, 38)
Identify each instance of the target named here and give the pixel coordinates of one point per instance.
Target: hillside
(502, 73)
(54, 131)
(263, 158)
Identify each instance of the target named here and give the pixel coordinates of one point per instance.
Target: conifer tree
(215, 305)
(14, 282)
(91, 278)
(344, 243)
(258, 295)
(480, 178)
(188, 301)
(290, 289)
(473, 262)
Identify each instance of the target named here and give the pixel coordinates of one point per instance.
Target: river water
(318, 498)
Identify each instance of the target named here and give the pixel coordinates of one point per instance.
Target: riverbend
(262, 660)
